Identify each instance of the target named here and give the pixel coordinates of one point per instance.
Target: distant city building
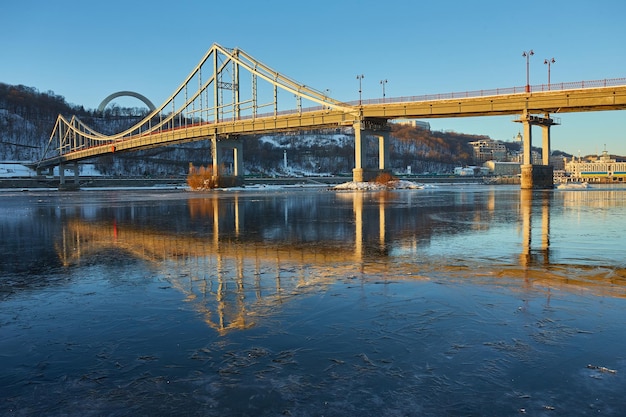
(560, 176)
(602, 169)
(411, 122)
(534, 156)
(557, 162)
(488, 150)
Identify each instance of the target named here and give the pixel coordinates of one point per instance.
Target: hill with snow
(27, 118)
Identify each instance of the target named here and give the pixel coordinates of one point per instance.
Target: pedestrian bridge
(229, 95)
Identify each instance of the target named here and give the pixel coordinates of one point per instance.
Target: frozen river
(451, 301)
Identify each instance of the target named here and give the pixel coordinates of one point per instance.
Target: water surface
(452, 301)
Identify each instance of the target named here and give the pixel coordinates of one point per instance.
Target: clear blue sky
(87, 50)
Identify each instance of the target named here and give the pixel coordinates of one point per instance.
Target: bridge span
(217, 103)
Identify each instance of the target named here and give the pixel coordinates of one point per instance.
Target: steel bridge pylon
(228, 94)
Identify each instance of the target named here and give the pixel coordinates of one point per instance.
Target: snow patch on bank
(391, 185)
(19, 170)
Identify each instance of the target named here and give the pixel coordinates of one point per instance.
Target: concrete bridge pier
(535, 176)
(71, 186)
(221, 176)
(362, 130)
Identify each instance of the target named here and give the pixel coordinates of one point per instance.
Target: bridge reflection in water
(539, 265)
(531, 255)
(236, 258)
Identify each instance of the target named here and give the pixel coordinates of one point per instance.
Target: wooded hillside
(27, 117)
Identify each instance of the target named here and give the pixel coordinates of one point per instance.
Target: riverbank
(106, 182)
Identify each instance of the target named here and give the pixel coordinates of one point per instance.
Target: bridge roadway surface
(543, 102)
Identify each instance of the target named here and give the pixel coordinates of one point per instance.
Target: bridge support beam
(546, 150)
(535, 176)
(224, 176)
(362, 130)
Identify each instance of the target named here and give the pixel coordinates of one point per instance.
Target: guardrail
(576, 85)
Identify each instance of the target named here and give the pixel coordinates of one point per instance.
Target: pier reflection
(538, 264)
(237, 257)
(530, 253)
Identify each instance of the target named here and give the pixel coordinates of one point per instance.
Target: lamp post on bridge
(548, 62)
(527, 55)
(360, 78)
(383, 82)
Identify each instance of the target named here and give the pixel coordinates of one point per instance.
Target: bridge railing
(575, 85)
(609, 82)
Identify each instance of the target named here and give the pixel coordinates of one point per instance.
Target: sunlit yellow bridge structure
(217, 102)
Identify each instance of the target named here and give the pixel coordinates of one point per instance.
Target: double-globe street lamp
(383, 82)
(360, 77)
(548, 62)
(527, 55)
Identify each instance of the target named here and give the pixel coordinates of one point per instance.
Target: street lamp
(527, 55)
(383, 82)
(360, 77)
(548, 62)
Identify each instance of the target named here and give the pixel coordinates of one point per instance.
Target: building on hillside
(557, 162)
(414, 123)
(602, 169)
(488, 150)
(514, 168)
(504, 169)
(534, 156)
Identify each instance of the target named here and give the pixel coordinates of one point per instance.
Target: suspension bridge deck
(555, 101)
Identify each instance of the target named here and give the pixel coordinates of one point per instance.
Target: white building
(471, 171)
(602, 169)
